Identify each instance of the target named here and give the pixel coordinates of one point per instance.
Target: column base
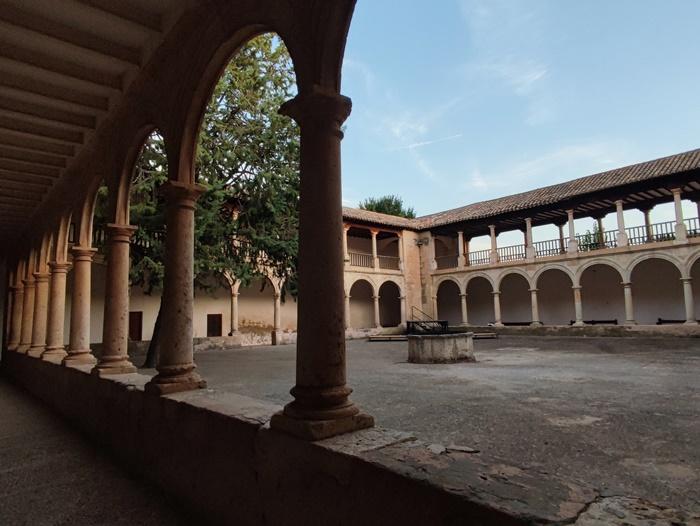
(54, 353)
(536, 324)
(35, 351)
(12, 347)
(23, 348)
(313, 430)
(79, 358)
(110, 368)
(164, 385)
(498, 324)
(276, 337)
(691, 322)
(579, 324)
(630, 322)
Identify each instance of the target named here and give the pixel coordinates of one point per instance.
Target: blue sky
(457, 101)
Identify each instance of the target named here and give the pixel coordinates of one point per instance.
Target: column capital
(496, 292)
(83, 253)
(319, 109)
(619, 202)
(375, 297)
(59, 267)
(29, 282)
(277, 295)
(576, 287)
(464, 295)
(120, 233)
(686, 280)
(676, 190)
(627, 284)
(181, 194)
(346, 227)
(374, 231)
(534, 290)
(41, 277)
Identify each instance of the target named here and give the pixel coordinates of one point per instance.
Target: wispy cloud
(420, 144)
(354, 66)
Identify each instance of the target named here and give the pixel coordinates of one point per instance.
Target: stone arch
(602, 292)
(555, 295)
(694, 274)
(479, 290)
(512, 271)
(656, 255)
(449, 302)
(454, 279)
(362, 294)
(389, 304)
(657, 290)
(516, 306)
(256, 306)
(691, 261)
(624, 275)
(545, 268)
(483, 275)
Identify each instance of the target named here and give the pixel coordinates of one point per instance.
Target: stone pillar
(562, 246)
(346, 316)
(234, 312)
(277, 320)
(494, 245)
(465, 316)
(466, 252)
(41, 305)
(573, 243)
(375, 257)
(55, 349)
(697, 205)
(689, 301)
(461, 263)
(629, 304)
(435, 307)
(346, 254)
(402, 300)
(377, 321)
(535, 308)
(176, 369)
(25, 340)
(79, 339)
(647, 224)
(529, 248)
(497, 308)
(402, 253)
(115, 332)
(578, 307)
(16, 320)
(601, 232)
(433, 258)
(622, 238)
(321, 406)
(681, 233)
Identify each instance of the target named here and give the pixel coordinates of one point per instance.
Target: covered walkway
(51, 475)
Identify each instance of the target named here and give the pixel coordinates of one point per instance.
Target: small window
(136, 326)
(213, 325)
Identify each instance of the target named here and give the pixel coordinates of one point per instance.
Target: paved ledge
(215, 452)
(636, 331)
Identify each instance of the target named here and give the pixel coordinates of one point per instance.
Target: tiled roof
(549, 195)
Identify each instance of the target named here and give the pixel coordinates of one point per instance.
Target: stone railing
(360, 259)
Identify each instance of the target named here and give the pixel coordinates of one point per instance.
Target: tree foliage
(388, 204)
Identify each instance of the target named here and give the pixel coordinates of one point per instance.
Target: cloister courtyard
(620, 415)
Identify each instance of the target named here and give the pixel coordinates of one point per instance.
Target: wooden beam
(29, 168)
(47, 89)
(20, 193)
(39, 24)
(32, 157)
(25, 179)
(25, 186)
(26, 142)
(72, 136)
(21, 201)
(129, 12)
(58, 65)
(47, 112)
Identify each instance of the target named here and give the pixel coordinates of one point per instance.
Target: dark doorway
(136, 326)
(213, 325)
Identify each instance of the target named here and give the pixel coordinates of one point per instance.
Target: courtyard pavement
(621, 415)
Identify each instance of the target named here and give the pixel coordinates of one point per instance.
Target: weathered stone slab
(441, 348)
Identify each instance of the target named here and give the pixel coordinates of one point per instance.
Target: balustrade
(359, 259)
(511, 253)
(479, 257)
(446, 261)
(388, 262)
(551, 247)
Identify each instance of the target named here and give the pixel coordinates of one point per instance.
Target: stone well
(441, 348)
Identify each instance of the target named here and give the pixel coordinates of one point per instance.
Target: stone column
(578, 307)
(115, 332)
(562, 246)
(629, 304)
(277, 320)
(689, 301)
(681, 233)
(346, 254)
(402, 299)
(375, 257)
(461, 263)
(234, 312)
(529, 248)
(697, 205)
(176, 369)
(79, 339)
(55, 349)
(647, 224)
(465, 316)
(622, 238)
(497, 308)
(601, 232)
(377, 321)
(16, 320)
(433, 259)
(466, 252)
(402, 252)
(435, 307)
(41, 305)
(321, 406)
(25, 340)
(573, 243)
(494, 244)
(346, 317)
(536, 322)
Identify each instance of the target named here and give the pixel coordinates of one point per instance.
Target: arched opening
(657, 292)
(602, 295)
(516, 307)
(256, 311)
(695, 276)
(361, 305)
(480, 301)
(389, 304)
(555, 298)
(449, 302)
